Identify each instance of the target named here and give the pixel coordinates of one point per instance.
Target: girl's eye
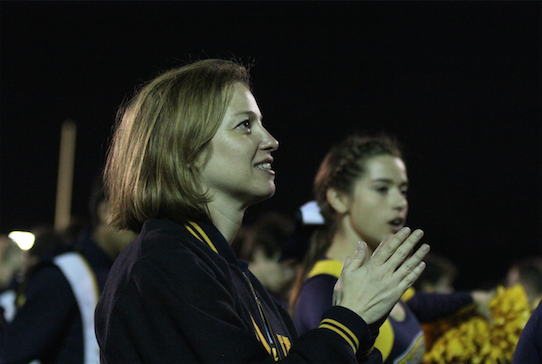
(382, 190)
(404, 192)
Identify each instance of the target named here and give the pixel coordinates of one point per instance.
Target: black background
(457, 82)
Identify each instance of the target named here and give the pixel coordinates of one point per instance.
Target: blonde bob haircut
(162, 140)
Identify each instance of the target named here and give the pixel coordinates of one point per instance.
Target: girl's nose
(400, 201)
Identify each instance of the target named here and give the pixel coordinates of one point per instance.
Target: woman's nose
(268, 141)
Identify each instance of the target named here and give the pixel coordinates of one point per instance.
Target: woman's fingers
(405, 250)
(359, 258)
(411, 277)
(411, 269)
(398, 247)
(395, 257)
(370, 286)
(382, 244)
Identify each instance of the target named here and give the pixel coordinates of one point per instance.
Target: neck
(345, 241)
(227, 217)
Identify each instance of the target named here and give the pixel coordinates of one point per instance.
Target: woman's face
(378, 204)
(239, 170)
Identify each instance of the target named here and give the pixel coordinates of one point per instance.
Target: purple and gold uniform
(398, 341)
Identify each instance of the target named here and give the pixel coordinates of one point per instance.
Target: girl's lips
(396, 224)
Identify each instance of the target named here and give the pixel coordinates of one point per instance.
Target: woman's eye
(404, 192)
(244, 125)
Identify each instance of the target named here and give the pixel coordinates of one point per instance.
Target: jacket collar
(209, 235)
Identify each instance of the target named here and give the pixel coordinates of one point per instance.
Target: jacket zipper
(266, 321)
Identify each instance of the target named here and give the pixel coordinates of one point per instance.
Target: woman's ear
(340, 201)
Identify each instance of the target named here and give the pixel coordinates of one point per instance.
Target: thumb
(337, 293)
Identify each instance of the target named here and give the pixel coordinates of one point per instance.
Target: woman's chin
(264, 195)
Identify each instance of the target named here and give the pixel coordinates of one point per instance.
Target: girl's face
(239, 170)
(378, 205)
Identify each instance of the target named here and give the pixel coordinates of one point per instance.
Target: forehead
(385, 167)
(242, 102)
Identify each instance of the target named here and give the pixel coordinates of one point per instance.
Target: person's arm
(49, 302)
(431, 306)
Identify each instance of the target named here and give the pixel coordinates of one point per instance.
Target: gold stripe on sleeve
(335, 329)
(344, 328)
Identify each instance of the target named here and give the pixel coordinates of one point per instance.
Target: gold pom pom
(468, 338)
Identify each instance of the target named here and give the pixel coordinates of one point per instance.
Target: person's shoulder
(329, 267)
(161, 241)
(47, 279)
(163, 237)
(45, 269)
(160, 227)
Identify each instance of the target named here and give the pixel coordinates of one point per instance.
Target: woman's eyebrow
(248, 112)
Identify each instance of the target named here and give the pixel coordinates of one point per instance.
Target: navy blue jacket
(178, 294)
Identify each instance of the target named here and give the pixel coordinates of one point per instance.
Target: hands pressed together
(371, 285)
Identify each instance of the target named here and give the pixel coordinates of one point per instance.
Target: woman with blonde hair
(189, 155)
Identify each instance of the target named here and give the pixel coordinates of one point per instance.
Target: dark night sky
(457, 82)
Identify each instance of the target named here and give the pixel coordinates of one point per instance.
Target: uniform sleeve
(37, 325)
(342, 337)
(431, 306)
(185, 312)
(315, 298)
(529, 347)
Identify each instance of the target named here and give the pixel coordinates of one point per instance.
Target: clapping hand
(372, 285)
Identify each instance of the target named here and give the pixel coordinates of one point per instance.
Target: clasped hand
(371, 285)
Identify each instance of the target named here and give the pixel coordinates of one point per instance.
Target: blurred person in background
(439, 275)
(64, 275)
(261, 246)
(361, 194)
(527, 272)
(11, 261)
